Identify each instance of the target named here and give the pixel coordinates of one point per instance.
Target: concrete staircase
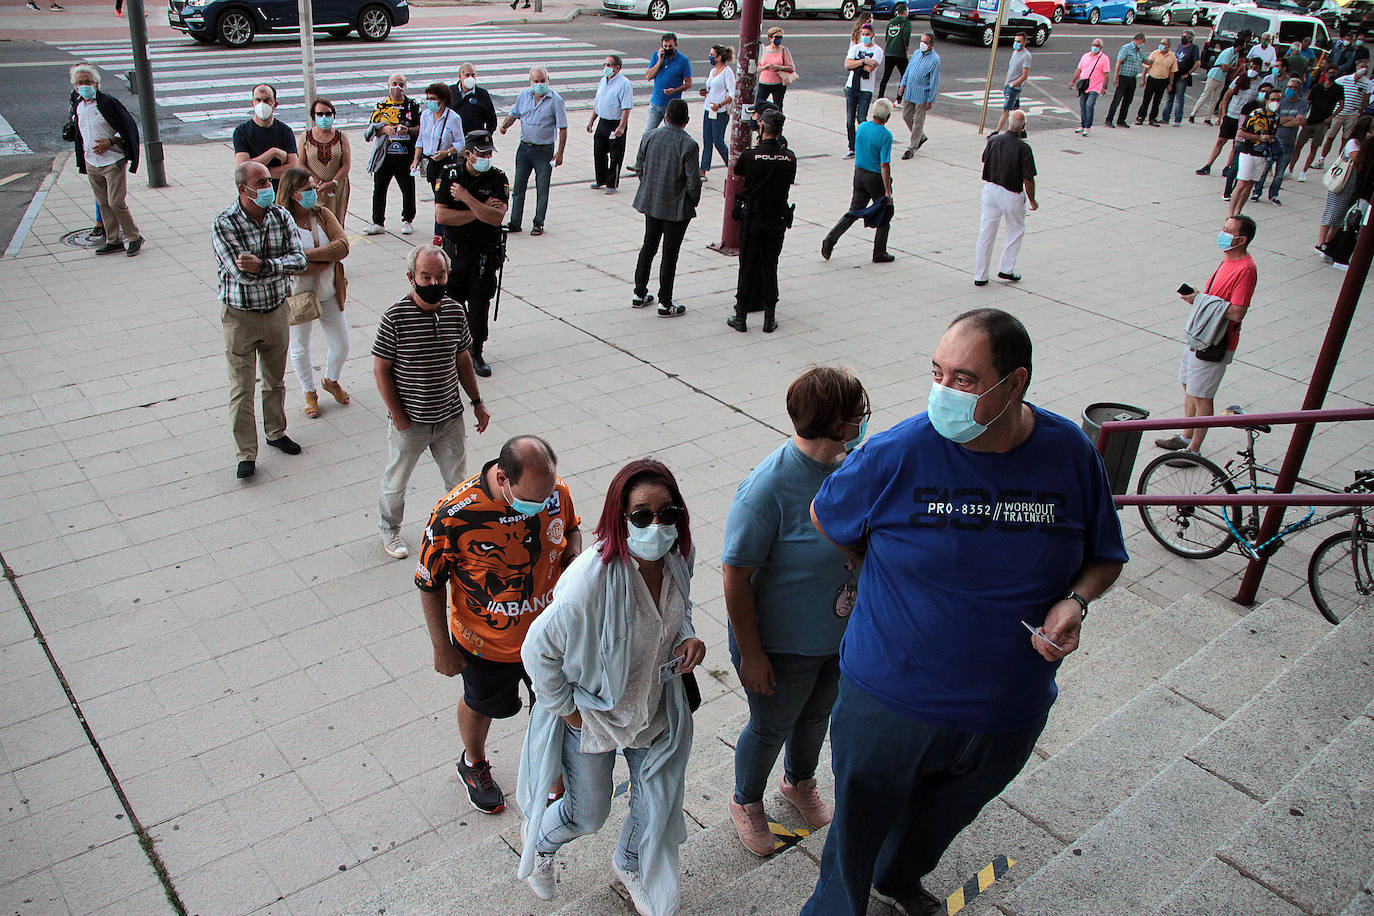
(1197, 762)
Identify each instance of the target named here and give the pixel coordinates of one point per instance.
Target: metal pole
(750, 23)
(992, 63)
(143, 86)
(307, 17)
(1330, 354)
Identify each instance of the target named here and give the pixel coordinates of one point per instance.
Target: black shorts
(1228, 128)
(492, 689)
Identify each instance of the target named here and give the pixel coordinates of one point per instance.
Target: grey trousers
(445, 442)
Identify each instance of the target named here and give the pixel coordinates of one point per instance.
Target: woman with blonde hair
(774, 61)
(326, 155)
(718, 98)
(325, 247)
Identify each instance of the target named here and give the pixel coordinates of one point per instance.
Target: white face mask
(469, 83)
(262, 110)
(651, 543)
(1273, 106)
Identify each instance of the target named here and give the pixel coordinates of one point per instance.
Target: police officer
(768, 171)
(471, 196)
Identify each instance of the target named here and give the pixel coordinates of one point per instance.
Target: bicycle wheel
(1195, 532)
(1339, 575)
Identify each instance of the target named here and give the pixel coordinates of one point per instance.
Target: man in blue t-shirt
(872, 184)
(671, 74)
(978, 520)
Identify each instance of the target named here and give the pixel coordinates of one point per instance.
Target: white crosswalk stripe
(207, 87)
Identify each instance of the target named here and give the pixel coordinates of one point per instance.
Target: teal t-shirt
(796, 570)
(872, 146)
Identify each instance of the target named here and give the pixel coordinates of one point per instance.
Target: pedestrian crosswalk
(206, 89)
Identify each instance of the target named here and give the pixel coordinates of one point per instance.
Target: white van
(1230, 20)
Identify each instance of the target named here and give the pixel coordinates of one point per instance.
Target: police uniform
(768, 171)
(474, 248)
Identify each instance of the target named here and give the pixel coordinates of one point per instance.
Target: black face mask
(430, 293)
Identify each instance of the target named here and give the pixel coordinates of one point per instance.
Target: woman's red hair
(613, 529)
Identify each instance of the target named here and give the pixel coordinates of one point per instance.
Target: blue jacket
(921, 82)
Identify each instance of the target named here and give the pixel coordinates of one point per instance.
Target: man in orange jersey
(495, 545)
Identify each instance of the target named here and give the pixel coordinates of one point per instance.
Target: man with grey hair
(106, 151)
(1008, 185)
(543, 119)
(872, 198)
(257, 247)
(419, 359)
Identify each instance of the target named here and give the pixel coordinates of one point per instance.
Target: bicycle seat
(1235, 410)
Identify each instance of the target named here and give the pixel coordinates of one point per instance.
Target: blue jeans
(713, 134)
(1087, 103)
(855, 111)
(903, 792)
(586, 801)
(1279, 163)
(537, 158)
(1178, 93)
(796, 714)
(655, 118)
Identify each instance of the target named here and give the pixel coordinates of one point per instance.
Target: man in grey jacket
(669, 189)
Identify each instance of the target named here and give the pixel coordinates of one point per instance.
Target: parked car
(963, 19)
(1355, 14)
(1168, 12)
(1287, 27)
(236, 22)
(1054, 10)
(882, 9)
(1094, 11)
(786, 9)
(661, 9)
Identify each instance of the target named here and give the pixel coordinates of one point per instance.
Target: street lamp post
(750, 23)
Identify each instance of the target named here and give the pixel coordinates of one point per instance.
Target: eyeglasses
(643, 518)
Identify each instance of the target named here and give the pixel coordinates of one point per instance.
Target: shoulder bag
(785, 77)
(1338, 176)
(304, 306)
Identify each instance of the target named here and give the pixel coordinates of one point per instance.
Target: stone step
(1097, 687)
(781, 885)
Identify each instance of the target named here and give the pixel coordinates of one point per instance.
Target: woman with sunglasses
(326, 155)
(788, 592)
(606, 660)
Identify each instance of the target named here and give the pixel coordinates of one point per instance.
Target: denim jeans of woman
(855, 111)
(796, 714)
(713, 130)
(586, 801)
(1087, 102)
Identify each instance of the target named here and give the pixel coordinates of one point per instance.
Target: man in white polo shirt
(615, 97)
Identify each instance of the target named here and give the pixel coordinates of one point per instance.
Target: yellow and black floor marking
(786, 837)
(977, 884)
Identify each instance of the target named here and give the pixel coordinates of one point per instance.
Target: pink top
(1094, 69)
(778, 56)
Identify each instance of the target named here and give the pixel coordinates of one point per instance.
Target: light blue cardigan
(575, 653)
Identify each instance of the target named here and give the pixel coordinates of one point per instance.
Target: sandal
(336, 389)
(312, 405)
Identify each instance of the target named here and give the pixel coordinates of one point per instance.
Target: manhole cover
(82, 238)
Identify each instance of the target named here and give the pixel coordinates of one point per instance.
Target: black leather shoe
(883, 257)
(1014, 278)
(110, 248)
(246, 469)
(737, 323)
(135, 247)
(479, 365)
(980, 282)
(909, 154)
(769, 326)
(286, 444)
(827, 246)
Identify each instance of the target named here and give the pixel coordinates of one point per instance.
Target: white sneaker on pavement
(638, 896)
(407, 228)
(542, 880)
(373, 229)
(395, 545)
(1302, 176)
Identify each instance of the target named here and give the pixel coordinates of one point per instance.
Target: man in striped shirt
(257, 248)
(419, 359)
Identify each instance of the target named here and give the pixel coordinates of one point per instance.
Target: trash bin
(1122, 446)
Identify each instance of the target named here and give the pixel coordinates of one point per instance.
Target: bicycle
(1339, 573)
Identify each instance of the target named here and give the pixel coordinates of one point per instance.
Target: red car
(1051, 9)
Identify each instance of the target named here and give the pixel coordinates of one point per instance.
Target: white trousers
(335, 332)
(999, 204)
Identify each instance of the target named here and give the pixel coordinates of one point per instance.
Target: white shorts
(1200, 378)
(1249, 168)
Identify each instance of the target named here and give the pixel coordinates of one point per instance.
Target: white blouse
(323, 282)
(719, 86)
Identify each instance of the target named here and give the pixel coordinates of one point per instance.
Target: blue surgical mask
(540, 89)
(310, 197)
(608, 72)
(265, 197)
(1290, 93)
(777, 40)
(86, 92)
(482, 163)
(866, 39)
(526, 507)
(1016, 46)
(711, 59)
(951, 412)
(325, 122)
(1225, 240)
(651, 543)
(854, 443)
(432, 105)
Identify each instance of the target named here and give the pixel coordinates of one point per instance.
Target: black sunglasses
(643, 518)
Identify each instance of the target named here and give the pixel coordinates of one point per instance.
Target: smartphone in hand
(1185, 290)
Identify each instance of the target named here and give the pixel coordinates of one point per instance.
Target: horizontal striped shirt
(423, 348)
(275, 240)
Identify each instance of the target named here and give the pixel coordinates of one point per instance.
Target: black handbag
(1081, 86)
(69, 131)
(689, 684)
(1213, 354)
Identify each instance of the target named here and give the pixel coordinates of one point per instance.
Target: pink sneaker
(806, 800)
(752, 826)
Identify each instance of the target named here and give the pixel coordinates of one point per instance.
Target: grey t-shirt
(1019, 61)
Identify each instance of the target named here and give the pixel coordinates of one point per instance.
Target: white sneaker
(1085, 131)
(395, 545)
(1318, 164)
(407, 229)
(373, 229)
(638, 896)
(542, 880)
(1302, 176)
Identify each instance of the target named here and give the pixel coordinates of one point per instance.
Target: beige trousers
(915, 117)
(252, 339)
(111, 186)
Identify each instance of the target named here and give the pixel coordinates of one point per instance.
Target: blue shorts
(1011, 98)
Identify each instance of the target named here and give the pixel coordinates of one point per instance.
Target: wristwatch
(478, 400)
(1072, 595)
